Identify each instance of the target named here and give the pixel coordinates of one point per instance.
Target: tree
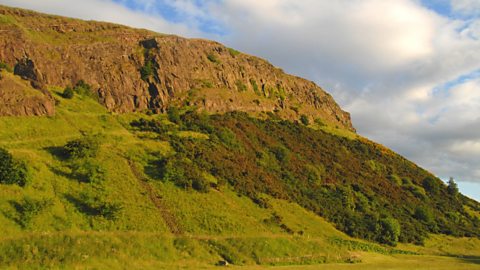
(389, 231)
(11, 171)
(431, 185)
(452, 187)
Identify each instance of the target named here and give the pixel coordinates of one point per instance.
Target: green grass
(160, 225)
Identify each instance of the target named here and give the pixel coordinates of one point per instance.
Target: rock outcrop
(136, 70)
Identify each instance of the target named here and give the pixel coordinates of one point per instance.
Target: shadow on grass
(469, 259)
(154, 169)
(58, 152)
(82, 206)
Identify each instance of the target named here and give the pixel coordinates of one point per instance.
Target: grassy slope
(207, 227)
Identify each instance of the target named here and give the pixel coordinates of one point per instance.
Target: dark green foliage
(82, 148)
(84, 89)
(68, 93)
(212, 58)
(424, 214)
(452, 187)
(28, 208)
(5, 66)
(431, 185)
(174, 115)
(184, 173)
(87, 170)
(147, 70)
(11, 170)
(304, 119)
(352, 183)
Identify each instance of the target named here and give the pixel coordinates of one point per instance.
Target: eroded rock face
(135, 70)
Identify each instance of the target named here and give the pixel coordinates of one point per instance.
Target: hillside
(184, 180)
(136, 70)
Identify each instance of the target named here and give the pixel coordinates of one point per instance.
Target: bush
(424, 214)
(184, 173)
(304, 120)
(12, 171)
(28, 208)
(87, 171)
(174, 115)
(68, 93)
(212, 58)
(389, 231)
(82, 148)
(431, 185)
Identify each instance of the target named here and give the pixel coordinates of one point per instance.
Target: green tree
(452, 187)
(389, 231)
(12, 171)
(82, 148)
(431, 185)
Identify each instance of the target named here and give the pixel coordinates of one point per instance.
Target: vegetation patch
(12, 171)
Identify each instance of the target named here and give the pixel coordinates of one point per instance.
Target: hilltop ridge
(137, 70)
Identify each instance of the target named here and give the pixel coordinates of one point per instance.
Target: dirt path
(157, 200)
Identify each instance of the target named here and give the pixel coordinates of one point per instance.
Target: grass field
(160, 225)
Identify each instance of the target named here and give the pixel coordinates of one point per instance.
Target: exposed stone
(110, 57)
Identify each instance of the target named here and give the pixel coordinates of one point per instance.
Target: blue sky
(408, 71)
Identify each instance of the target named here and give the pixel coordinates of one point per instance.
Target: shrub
(28, 208)
(147, 70)
(431, 185)
(281, 153)
(83, 89)
(184, 173)
(423, 214)
(174, 115)
(82, 148)
(88, 171)
(304, 120)
(212, 58)
(389, 231)
(12, 171)
(68, 93)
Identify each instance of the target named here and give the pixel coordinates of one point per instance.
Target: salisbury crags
(137, 70)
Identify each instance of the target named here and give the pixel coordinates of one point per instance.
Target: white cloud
(467, 7)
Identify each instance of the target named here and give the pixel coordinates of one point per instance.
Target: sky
(408, 71)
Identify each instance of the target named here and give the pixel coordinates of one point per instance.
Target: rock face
(136, 70)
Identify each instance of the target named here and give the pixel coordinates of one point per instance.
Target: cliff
(137, 70)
